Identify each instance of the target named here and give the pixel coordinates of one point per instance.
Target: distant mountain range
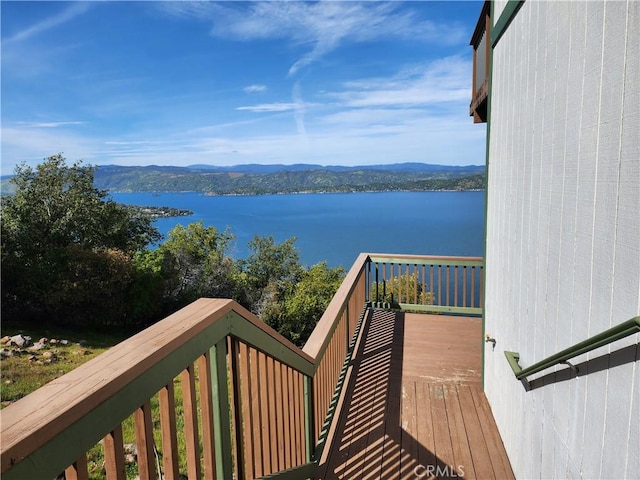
(255, 179)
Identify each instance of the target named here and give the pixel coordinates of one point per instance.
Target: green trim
(621, 330)
(459, 262)
(506, 17)
(486, 208)
(221, 410)
(307, 470)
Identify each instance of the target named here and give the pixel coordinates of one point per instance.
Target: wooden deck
(412, 405)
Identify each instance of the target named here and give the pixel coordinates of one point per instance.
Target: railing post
(308, 417)
(367, 293)
(377, 296)
(221, 410)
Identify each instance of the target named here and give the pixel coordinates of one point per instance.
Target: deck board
(413, 406)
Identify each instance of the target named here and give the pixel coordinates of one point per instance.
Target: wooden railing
(210, 391)
(428, 283)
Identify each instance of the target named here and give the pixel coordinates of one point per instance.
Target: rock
(83, 343)
(6, 339)
(8, 382)
(49, 355)
(80, 352)
(43, 340)
(4, 353)
(53, 341)
(36, 346)
(32, 358)
(21, 340)
(131, 448)
(64, 342)
(130, 452)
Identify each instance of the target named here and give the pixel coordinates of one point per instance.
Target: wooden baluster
(144, 442)
(78, 470)
(481, 289)
(408, 289)
(464, 286)
(473, 286)
(286, 422)
(264, 415)
(114, 454)
(167, 403)
(448, 283)
(245, 425)
(293, 425)
(236, 406)
(258, 449)
(273, 433)
(300, 415)
(191, 422)
(455, 285)
(279, 407)
(439, 284)
(206, 406)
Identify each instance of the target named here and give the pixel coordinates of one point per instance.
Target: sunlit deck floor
(412, 405)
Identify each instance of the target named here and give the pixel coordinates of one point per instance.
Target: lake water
(336, 227)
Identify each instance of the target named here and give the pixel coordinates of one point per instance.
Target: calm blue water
(337, 227)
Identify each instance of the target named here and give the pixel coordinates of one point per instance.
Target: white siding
(563, 235)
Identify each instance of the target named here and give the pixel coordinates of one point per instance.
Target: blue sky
(227, 83)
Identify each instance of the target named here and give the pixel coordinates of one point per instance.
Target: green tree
(193, 263)
(57, 231)
(304, 306)
(268, 272)
(400, 289)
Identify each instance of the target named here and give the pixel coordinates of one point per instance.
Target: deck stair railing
(211, 391)
(610, 335)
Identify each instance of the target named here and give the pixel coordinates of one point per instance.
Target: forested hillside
(266, 179)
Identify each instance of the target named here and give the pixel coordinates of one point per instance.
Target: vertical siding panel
(563, 233)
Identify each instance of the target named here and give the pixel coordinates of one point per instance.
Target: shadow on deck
(412, 404)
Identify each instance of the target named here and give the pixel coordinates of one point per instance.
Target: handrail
(105, 390)
(622, 330)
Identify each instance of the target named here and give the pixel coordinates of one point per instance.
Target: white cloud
(443, 81)
(48, 124)
(269, 107)
(69, 13)
(322, 26)
(255, 88)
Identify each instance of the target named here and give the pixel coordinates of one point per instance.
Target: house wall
(563, 236)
